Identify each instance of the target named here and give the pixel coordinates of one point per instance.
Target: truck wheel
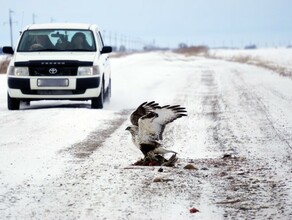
(97, 103)
(109, 91)
(12, 103)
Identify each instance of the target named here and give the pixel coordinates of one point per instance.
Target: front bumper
(76, 88)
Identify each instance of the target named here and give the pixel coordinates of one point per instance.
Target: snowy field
(63, 160)
(280, 56)
(279, 59)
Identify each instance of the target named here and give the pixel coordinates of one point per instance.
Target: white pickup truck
(63, 61)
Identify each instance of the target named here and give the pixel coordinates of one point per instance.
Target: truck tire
(12, 103)
(108, 93)
(97, 103)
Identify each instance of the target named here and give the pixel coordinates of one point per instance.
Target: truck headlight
(18, 71)
(88, 70)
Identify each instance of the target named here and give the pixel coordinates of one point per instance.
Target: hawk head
(132, 129)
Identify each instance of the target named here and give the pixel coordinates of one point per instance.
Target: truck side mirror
(106, 49)
(8, 50)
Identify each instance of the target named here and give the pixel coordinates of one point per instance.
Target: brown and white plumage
(148, 124)
(143, 109)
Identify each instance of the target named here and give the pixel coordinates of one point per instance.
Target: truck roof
(61, 26)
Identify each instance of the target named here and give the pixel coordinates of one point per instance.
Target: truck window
(57, 40)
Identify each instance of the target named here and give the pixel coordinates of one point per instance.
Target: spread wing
(143, 109)
(152, 125)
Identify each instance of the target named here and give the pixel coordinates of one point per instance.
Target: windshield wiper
(80, 50)
(48, 49)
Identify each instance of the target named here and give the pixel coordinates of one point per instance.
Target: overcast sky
(163, 22)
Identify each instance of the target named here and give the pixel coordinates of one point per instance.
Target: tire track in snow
(96, 138)
(254, 129)
(230, 110)
(250, 95)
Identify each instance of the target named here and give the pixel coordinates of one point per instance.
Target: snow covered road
(63, 160)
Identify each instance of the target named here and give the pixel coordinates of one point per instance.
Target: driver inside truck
(42, 42)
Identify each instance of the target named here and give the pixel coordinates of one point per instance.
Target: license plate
(53, 82)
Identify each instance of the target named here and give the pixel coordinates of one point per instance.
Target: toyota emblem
(53, 71)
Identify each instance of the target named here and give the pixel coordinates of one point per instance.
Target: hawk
(148, 123)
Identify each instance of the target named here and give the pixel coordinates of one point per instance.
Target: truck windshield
(56, 40)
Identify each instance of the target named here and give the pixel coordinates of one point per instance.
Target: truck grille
(53, 71)
(53, 67)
